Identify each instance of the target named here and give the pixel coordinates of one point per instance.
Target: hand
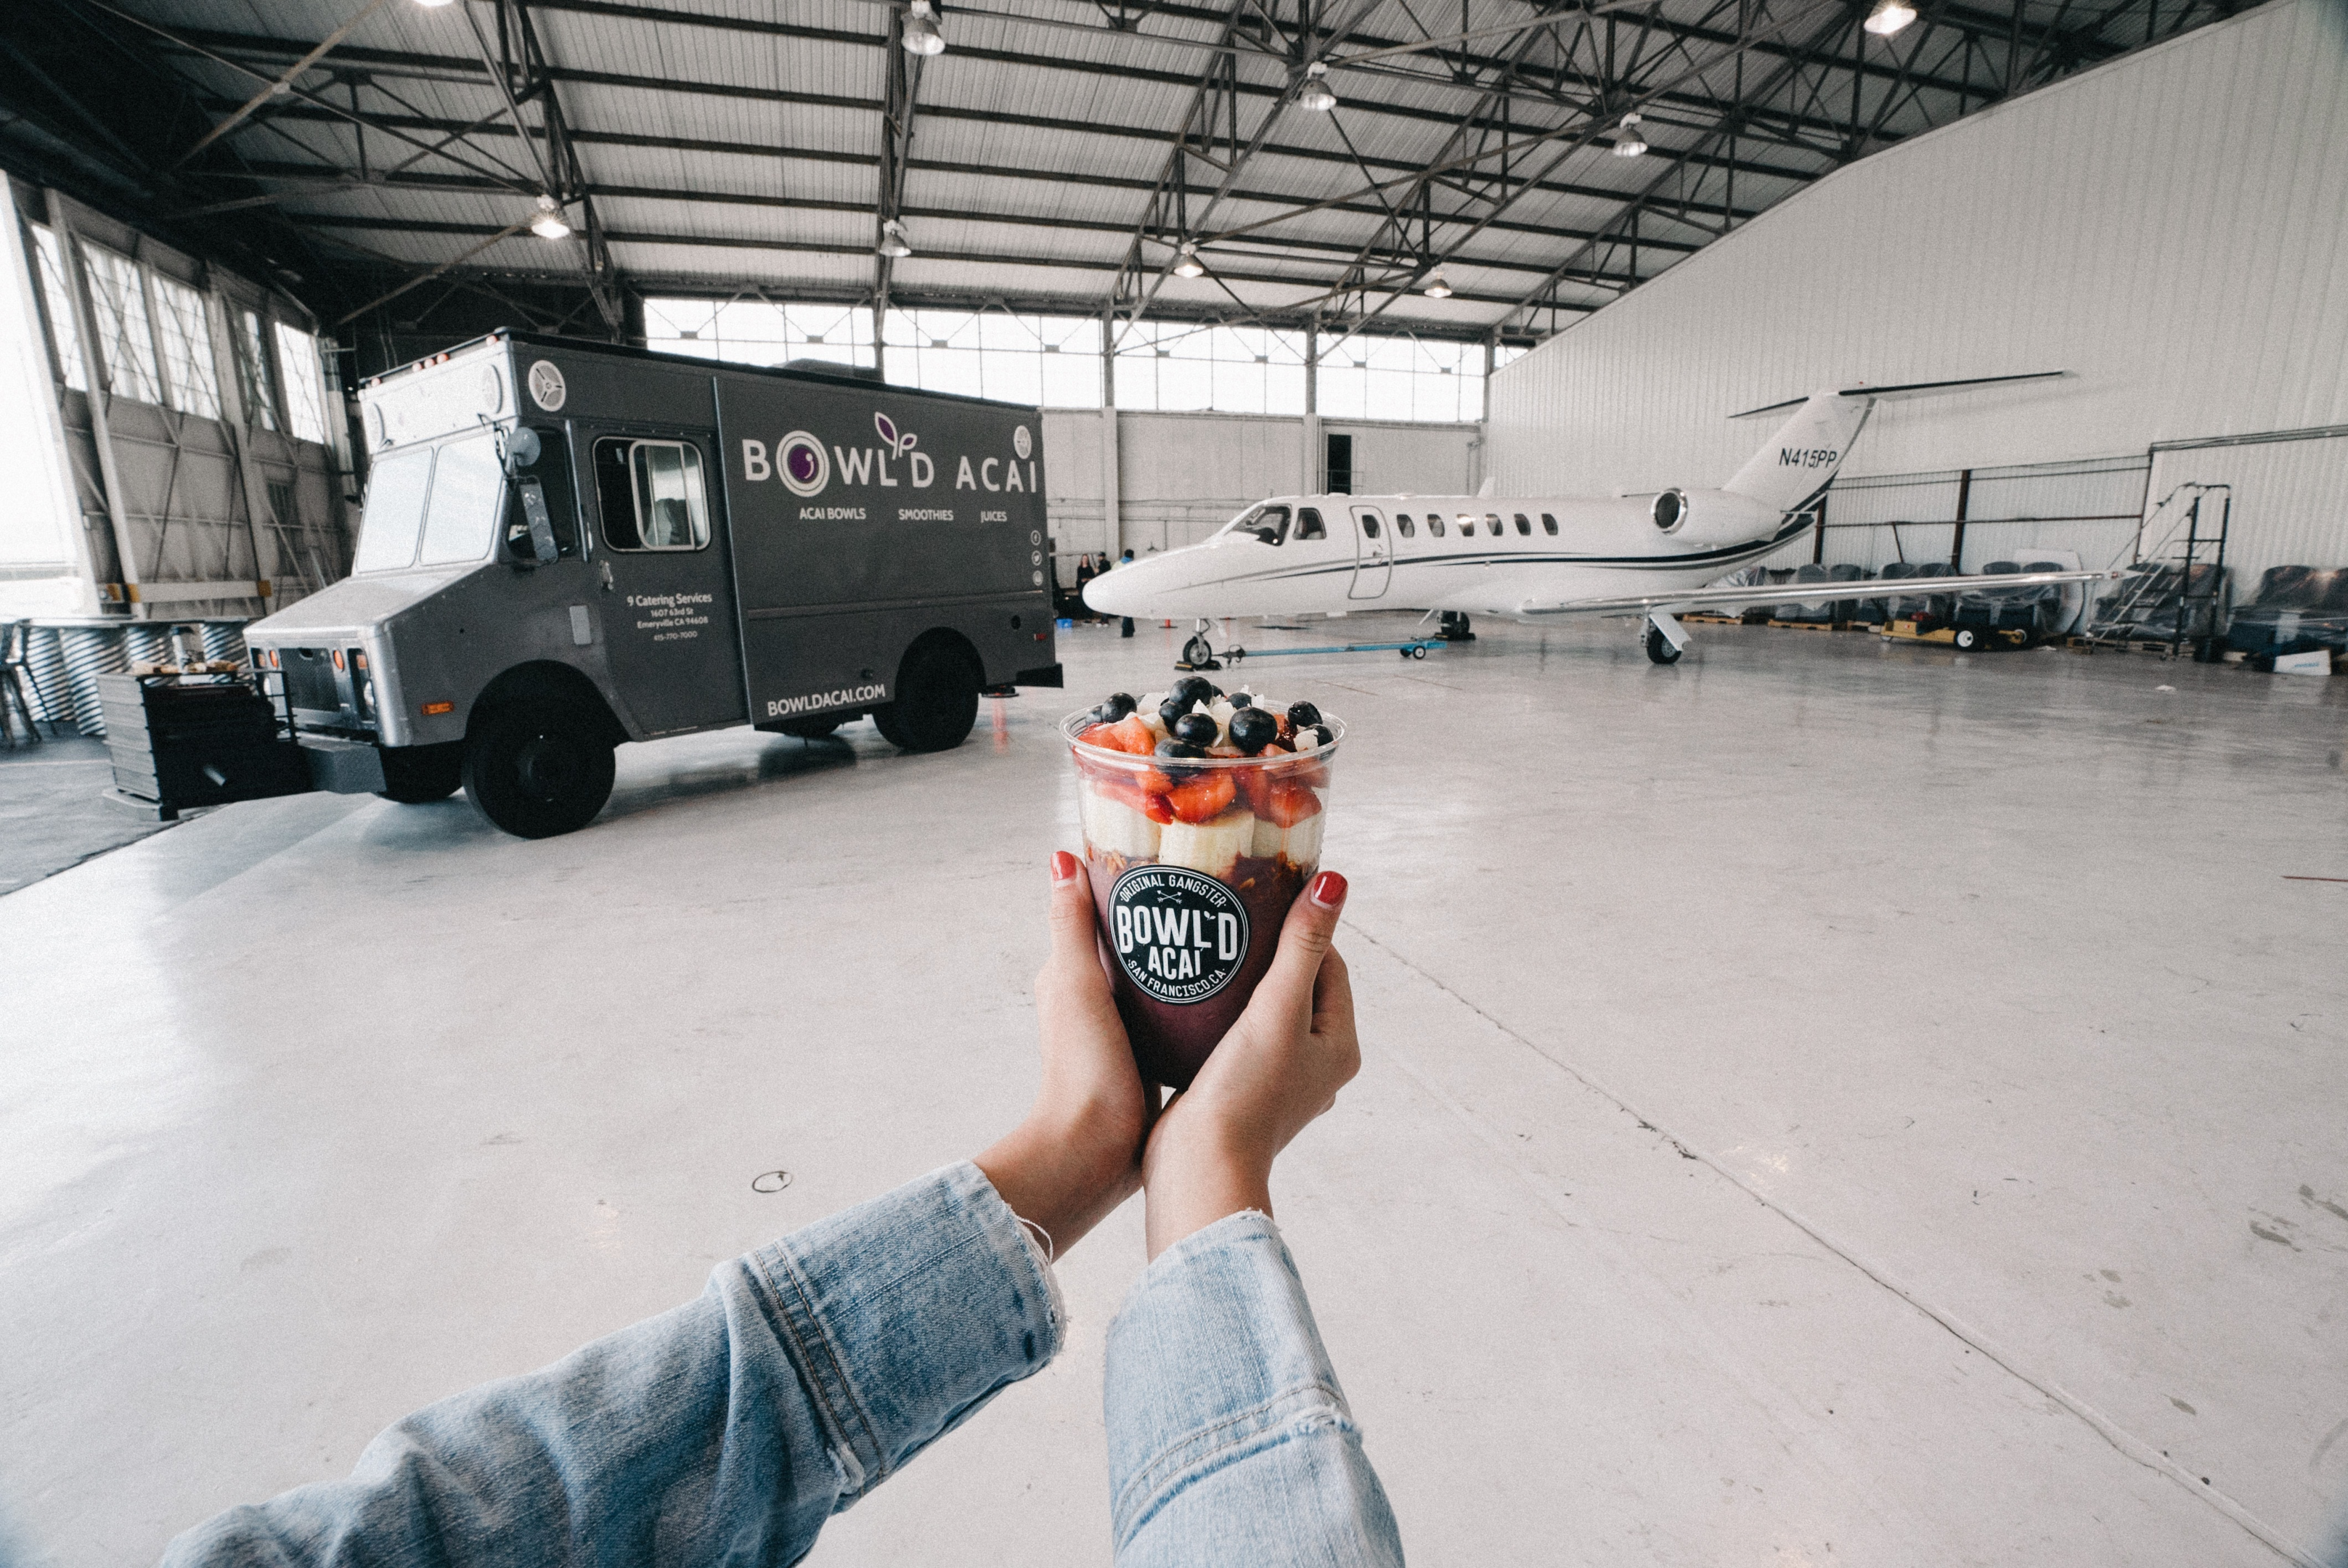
(1281, 1066)
(1077, 1156)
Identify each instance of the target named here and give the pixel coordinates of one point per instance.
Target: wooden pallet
(2127, 645)
(1803, 625)
(1713, 620)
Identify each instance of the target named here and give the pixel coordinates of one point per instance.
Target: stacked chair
(2034, 610)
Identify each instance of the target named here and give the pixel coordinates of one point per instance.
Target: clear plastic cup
(1194, 862)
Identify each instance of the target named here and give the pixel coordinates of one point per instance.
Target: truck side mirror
(521, 448)
(541, 521)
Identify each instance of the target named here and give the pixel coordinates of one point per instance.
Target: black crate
(202, 740)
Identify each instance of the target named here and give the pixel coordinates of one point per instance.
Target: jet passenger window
(1370, 525)
(1308, 524)
(1549, 525)
(651, 494)
(1403, 525)
(1524, 524)
(1435, 524)
(1492, 524)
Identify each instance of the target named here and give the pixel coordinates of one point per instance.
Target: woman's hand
(1281, 1066)
(1077, 1156)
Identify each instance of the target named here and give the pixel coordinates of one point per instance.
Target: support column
(1964, 505)
(94, 371)
(1112, 525)
(1309, 466)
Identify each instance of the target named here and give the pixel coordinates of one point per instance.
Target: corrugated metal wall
(1181, 476)
(2172, 229)
(2290, 500)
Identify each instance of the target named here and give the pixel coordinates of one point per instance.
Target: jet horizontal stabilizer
(1906, 389)
(1801, 593)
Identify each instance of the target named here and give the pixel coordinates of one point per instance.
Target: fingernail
(1064, 866)
(1328, 890)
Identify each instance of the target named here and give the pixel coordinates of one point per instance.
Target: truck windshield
(468, 489)
(395, 511)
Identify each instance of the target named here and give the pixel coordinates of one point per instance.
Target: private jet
(1642, 557)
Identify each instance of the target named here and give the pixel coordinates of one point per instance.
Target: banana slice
(1113, 827)
(1214, 847)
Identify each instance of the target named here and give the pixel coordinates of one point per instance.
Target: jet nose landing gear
(1199, 653)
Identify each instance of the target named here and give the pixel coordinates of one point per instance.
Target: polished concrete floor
(54, 810)
(1825, 1103)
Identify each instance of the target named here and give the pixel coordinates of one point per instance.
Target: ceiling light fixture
(432, 4)
(549, 224)
(1190, 266)
(893, 243)
(1316, 94)
(922, 35)
(1437, 289)
(1888, 16)
(1628, 142)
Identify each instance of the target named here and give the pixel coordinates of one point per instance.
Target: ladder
(2186, 559)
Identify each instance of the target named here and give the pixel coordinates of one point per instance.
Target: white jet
(1645, 557)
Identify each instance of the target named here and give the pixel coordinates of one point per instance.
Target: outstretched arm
(1230, 1440)
(808, 1372)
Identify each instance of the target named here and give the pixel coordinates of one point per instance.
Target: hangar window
(1549, 525)
(1403, 525)
(1308, 524)
(651, 495)
(56, 308)
(184, 328)
(117, 310)
(298, 371)
(1435, 524)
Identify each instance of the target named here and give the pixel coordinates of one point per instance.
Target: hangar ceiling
(1056, 155)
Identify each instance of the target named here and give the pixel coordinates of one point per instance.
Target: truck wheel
(537, 773)
(418, 775)
(937, 701)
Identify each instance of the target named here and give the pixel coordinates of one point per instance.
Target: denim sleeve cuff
(1214, 1359)
(906, 1314)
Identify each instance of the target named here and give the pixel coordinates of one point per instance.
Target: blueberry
(1302, 713)
(1198, 729)
(1179, 749)
(1171, 711)
(1321, 733)
(1253, 729)
(1242, 700)
(1118, 707)
(1190, 689)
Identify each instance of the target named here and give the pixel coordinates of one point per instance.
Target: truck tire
(418, 775)
(937, 699)
(538, 772)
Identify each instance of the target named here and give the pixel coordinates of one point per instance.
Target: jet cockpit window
(1308, 524)
(1524, 524)
(1549, 525)
(1269, 524)
(1403, 525)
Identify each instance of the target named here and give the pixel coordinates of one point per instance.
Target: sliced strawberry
(1255, 788)
(1202, 798)
(1135, 736)
(1288, 803)
(1101, 735)
(1158, 809)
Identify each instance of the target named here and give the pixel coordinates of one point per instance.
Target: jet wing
(1800, 593)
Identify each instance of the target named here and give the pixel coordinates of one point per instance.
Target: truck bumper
(343, 767)
(1042, 675)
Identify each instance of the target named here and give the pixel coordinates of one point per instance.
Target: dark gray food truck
(566, 546)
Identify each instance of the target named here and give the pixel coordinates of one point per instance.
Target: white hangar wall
(1174, 479)
(2172, 229)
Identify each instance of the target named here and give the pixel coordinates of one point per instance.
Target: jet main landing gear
(1665, 640)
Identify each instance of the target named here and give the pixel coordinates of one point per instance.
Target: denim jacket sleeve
(1229, 1439)
(727, 1431)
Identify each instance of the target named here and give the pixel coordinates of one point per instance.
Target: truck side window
(553, 472)
(1308, 524)
(651, 494)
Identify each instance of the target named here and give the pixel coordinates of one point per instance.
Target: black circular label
(1178, 934)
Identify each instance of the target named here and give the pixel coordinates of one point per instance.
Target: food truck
(567, 545)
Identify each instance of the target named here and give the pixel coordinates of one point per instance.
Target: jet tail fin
(1802, 459)
(1485, 488)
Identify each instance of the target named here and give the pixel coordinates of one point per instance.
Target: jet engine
(1706, 519)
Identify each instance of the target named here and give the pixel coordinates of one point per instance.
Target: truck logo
(814, 702)
(547, 388)
(805, 468)
(1020, 442)
(898, 444)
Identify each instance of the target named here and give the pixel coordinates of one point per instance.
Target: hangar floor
(1823, 1103)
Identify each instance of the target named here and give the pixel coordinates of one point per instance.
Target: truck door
(665, 591)
(1373, 555)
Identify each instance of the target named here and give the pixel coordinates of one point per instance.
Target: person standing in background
(1127, 629)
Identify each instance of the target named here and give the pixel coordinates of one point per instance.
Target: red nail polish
(1064, 866)
(1328, 890)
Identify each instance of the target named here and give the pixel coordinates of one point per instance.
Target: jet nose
(1120, 591)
